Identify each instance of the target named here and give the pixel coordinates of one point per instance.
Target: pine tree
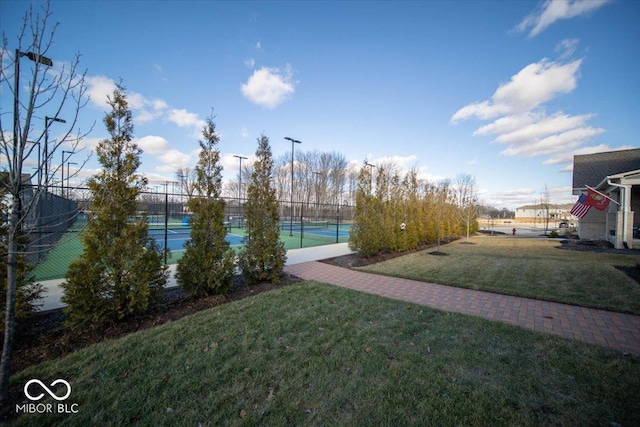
(263, 257)
(121, 271)
(207, 264)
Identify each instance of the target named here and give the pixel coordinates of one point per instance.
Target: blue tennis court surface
(320, 228)
(177, 237)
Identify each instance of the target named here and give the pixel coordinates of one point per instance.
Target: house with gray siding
(616, 174)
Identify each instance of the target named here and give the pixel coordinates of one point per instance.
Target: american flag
(580, 209)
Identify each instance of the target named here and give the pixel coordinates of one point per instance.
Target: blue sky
(506, 91)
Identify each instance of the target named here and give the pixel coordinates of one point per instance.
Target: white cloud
(160, 72)
(152, 144)
(525, 196)
(518, 113)
(259, 45)
(402, 165)
(543, 127)
(250, 63)
(89, 143)
(143, 116)
(244, 132)
(535, 84)
(136, 101)
(173, 159)
(157, 181)
(159, 105)
(269, 87)
(522, 197)
(554, 10)
(231, 164)
(554, 144)
(506, 124)
(567, 47)
(184, 118)
(98, 89)
(404, 162)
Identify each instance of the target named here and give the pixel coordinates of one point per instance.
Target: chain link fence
(59, 221)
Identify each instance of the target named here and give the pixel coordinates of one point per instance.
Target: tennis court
(176, 237)
(69, 247)
(319, 228)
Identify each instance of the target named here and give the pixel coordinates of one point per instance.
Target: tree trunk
(12, 280)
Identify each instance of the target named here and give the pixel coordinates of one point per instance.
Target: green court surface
(69, 247)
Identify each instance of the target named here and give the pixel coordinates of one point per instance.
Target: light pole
(69, 175)
(38, 59)
(62, 171)
(38, 164)
(240, 216)
(17, 145)
(240, 177)
(45, 154)
(317, 201)
(293, 142)
(370, 175)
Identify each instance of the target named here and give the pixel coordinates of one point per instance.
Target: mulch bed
(47, 339)
(355, 260)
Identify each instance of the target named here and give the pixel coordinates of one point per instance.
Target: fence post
(338, 224)
(166, 223)
(301, 223)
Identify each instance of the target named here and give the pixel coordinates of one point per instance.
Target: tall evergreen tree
(121, 270)
(207, 264)
(263, 256)
(365, 237)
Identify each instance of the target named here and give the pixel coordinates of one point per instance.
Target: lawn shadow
(438, 253)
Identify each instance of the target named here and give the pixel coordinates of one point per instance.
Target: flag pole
(603, 195)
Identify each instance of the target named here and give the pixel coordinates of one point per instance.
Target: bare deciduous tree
(466, 196)
(545, 200)
(187, 179)
(51, 92)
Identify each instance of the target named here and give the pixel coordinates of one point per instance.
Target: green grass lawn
(313, 354)
(529, 267)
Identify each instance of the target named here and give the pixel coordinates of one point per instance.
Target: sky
(504, 91)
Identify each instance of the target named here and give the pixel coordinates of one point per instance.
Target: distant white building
(538, 213)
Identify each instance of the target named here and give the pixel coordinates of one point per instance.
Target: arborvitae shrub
(207, 265)
(263, 256)
(121, 270)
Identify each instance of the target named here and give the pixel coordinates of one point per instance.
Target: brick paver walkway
(616, 330)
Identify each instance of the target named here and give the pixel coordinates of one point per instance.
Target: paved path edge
(610, 329)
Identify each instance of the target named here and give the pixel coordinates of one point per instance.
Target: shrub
(263, 256)
(206, 267)
(28, 293)
(120, 271)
